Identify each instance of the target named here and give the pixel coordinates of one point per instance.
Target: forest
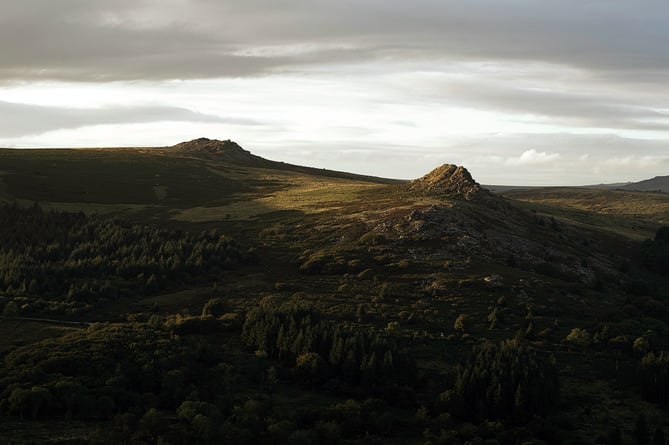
(59, 263)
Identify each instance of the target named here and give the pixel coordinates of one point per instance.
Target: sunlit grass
(303, 193)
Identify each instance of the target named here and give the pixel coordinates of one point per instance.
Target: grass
(297, 192)
(154, 184)
(635, 215)
(111, 178)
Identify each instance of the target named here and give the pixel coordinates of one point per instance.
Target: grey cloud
(83, 40)
(599, 110)
(21, 120)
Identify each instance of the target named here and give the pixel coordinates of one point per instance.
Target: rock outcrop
(450, 181)
(217, 150)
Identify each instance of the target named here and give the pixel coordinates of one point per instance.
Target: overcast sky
(520, 92)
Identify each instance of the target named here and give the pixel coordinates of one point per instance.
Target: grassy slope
(632, 214)
(154, 183)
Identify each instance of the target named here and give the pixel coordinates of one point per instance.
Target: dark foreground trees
(60, 263)
(654, 375)
(504, 381)
(656, 252)
(322, 351)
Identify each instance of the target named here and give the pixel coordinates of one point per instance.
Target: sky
(521, 92)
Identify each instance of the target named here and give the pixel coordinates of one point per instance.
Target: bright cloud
(532, 157)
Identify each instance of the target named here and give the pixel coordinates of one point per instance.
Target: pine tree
(658, 437)
(640, 432)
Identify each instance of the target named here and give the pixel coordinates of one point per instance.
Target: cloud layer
(558, 90)
(166, 39)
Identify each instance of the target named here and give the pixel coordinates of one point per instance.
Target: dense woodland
(59, 263)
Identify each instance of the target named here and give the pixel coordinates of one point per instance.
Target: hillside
(166, 182)
(633, 214)
(656, 184)
(202, 294)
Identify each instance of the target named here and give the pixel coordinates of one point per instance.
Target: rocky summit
(215, 149)
(451, 181)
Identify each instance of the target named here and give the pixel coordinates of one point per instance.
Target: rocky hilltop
(217, 150)
(451, 181)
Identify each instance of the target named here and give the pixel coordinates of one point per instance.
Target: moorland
(201, 294)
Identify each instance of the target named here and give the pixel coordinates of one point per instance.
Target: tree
(579, 337)
(106, 406)
(214, 307)
(310, 368)
(203, 427)
(503, 381)
(39, 396)
(361, 313)
(460, 323)
(614, 437)
(152, 424)
(656, 252)
(658, 437)
(69, 393)
(640, 432)
(19, 401)
(641, 345)
(392, 328)
(11, 310)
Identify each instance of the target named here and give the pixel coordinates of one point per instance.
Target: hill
(201, 294)
(224, 151)
(214, 179)
(656, 184)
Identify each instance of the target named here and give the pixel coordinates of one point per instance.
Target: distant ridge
(451, 181)
(229, 151)
(656, 184)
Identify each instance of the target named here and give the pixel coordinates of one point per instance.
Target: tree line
(54, 262)
(503, 381)
(321, 350)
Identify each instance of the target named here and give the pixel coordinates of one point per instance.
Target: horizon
(130, 147)
(519, 93)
